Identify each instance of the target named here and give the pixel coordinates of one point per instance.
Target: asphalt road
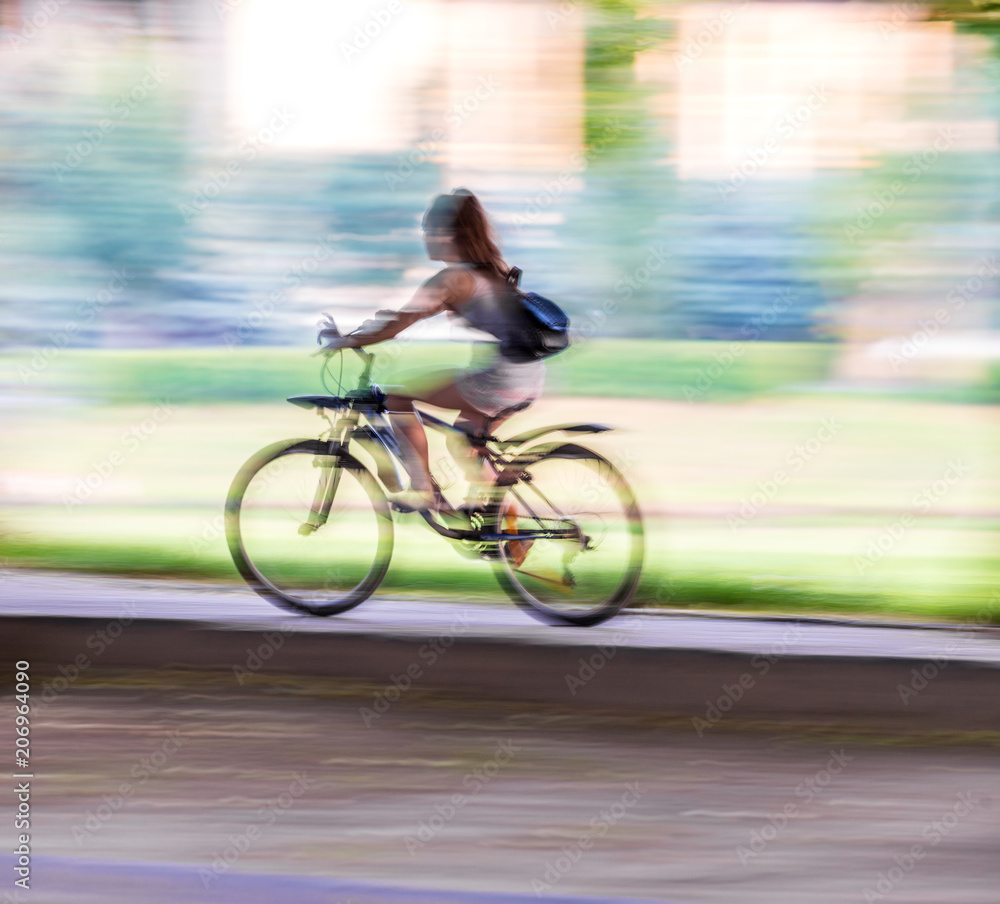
(149, 789)
(159, 787)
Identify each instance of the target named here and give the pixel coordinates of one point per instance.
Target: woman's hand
(329, 336)
(442, 292)
(336, 344)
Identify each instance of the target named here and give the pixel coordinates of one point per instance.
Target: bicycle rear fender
(531, 435)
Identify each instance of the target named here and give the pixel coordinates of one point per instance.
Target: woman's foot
(417, 499)
(412, 500)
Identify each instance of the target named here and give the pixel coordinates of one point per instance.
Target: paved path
(50, 594)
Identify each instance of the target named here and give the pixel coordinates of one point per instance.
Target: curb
(901, 694)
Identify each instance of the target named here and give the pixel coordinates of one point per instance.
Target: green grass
(610, 368)
(778, 569)
(440, 577)
(692, 466)
(702, 371)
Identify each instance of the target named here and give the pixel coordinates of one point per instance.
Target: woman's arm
(442, 292)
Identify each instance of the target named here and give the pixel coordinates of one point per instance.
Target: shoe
(430, 500)
(517, 550)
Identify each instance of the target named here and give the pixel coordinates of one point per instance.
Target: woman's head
(456, 229)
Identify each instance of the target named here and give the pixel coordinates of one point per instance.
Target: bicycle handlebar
(364, 387)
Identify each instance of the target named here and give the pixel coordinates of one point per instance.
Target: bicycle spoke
(585, 537)
(310, 533)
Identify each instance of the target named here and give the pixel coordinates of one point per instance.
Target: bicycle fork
(329, 481)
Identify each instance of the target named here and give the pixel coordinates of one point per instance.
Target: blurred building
(795, 171)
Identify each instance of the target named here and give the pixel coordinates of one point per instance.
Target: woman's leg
(407, 425)
(408, 428)
(468, 457)
(412, 441)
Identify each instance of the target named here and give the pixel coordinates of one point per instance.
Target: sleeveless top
(498, 382)
(486, 310)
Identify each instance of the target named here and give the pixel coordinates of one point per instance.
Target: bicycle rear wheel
(309, 531)
(580, 561)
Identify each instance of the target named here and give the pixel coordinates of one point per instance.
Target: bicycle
(310, 526)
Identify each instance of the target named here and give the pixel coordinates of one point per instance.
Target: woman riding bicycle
(474, 288)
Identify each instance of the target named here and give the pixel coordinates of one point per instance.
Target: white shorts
(503, 385)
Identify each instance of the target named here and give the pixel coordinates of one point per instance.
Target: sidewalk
(710, 670)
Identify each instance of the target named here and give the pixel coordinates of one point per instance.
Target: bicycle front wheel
(581, 556)
(309, 531)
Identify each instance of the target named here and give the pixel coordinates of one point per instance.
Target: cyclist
(473, 286)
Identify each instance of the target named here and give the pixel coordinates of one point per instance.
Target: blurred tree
(616, 244)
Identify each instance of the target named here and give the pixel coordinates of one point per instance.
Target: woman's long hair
(461, 214)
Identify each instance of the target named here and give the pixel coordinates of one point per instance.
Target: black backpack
(542, 327)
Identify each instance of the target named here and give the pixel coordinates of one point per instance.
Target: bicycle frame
(378, 438)
(525, 503)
